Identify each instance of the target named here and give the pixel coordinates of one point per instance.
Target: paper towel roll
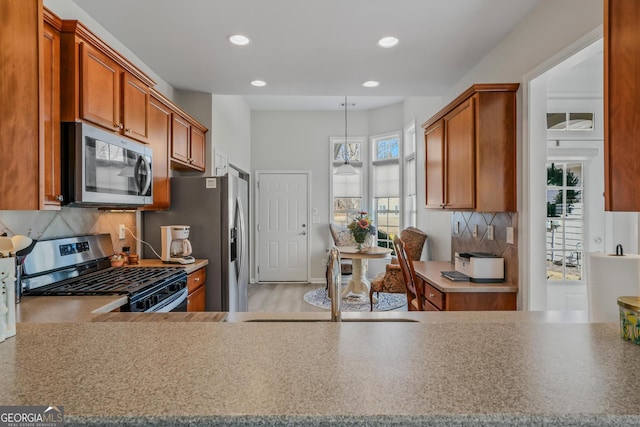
(7, 298)
(608, 278)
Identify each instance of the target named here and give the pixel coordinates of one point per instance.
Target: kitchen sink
(327, 320)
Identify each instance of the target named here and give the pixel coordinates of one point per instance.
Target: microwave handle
(143, 180)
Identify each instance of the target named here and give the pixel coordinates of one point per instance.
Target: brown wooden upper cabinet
(470, 151)
(621, 106)
(30, 177)
(187, 144)
(160, 141)
(101, 86)
(50, 167)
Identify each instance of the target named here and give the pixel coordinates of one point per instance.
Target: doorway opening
(564, 204)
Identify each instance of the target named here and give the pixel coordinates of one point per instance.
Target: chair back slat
(414, 292)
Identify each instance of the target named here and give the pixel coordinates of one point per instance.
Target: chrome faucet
(334, 280)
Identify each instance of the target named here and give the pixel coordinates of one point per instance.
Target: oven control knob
(140, 305)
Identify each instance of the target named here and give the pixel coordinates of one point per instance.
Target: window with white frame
(565, 221)
(348, 190)
(409, 175)
(385, 186)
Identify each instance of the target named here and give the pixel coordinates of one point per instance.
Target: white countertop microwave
(103, 169)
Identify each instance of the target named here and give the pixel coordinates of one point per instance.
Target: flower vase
(359, 240)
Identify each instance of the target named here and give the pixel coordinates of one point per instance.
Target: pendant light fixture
(346, 168)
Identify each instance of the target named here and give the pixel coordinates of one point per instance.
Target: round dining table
(359, 286)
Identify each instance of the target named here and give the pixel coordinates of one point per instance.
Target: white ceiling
(310, 53)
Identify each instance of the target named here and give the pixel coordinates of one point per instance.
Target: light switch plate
(490, 232)
(510, 235)
(475, 230)
(456, 227)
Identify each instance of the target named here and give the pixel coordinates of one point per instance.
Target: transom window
(570, 121)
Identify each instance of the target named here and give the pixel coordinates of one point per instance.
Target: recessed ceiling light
(239, 39)
(388, 42)
(371, 83)
(259, 83)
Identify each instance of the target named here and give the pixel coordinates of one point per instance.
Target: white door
(283, 230)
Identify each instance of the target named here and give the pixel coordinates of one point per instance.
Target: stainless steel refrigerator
(216, 208)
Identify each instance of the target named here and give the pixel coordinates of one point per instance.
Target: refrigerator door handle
(241, 238)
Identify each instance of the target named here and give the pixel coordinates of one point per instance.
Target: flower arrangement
(361, 228)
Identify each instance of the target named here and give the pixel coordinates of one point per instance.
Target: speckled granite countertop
(450, 369)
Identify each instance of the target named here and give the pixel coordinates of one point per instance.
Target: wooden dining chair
(391, 279)
(414, 292)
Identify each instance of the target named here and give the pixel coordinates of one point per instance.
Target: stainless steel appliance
(216, 210)
(102, 169)
(80, 266)
(176, 248)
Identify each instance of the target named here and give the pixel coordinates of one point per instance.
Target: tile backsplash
(67, 222)
(463, 241)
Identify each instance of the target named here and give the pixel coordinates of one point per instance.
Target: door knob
(304, 233)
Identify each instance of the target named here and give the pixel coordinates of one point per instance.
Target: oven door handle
(175, 300)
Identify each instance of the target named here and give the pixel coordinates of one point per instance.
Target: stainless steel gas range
(80, 266)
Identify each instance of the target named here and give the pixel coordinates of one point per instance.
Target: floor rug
(318, 298)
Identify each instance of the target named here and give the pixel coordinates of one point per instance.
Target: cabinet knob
(116, 125)
(127, 130)
(197, 279)
(431, 295)
(59, 197)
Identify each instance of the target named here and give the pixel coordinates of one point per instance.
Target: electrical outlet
(490, 230)
(121, 232)
(510, 235)
(456, 227)
(475, 230)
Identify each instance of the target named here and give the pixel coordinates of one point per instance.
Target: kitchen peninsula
(478, 368)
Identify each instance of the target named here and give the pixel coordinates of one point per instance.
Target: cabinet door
(20, 119)
(197, 149)
(434, 165)
(196, 300)
(50, 165)
(135, 108)
(459, 189)
(159, 140)
(180, 136)
(621, 106)
(100, 88)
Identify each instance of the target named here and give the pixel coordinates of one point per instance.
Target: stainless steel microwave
(104, 170)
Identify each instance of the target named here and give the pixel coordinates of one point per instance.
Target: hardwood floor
(283, 297)
(280, 297)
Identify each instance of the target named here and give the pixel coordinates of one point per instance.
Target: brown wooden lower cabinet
(436, 300)
(196, 298)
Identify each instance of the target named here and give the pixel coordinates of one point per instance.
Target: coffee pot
(176, 247)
